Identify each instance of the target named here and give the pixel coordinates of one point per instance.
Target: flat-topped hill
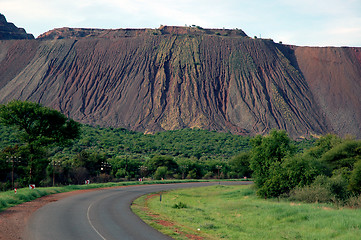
(186, 77)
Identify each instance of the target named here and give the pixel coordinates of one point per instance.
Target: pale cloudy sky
(296, 22)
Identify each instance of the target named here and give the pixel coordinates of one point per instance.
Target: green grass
(234, 212)
(9, 198)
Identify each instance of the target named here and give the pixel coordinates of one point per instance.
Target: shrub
(103, 178)
(338, 187)
(354, 202)
(209, 226)
(240, 165)
(311, 194)
(233, 175)
(208, 175)
(3, 203)
(180, 205)
(177, 176)
(322, 190)
(192, 174)
(355, 178)
(160, 173)
(301, 171)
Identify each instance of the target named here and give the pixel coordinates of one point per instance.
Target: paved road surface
(98, 215)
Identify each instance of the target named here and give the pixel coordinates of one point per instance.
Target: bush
(338, 187)
(240, 164)
(177, 176)
(179, 205)
(209, 226)
(354, 202)
(103, 178)
(301, 171)
(192, 174)
(355, 178)
(233, 175)
(322, 190)
(311, 194)
(3, 203)
(160, 173)
(208, 175)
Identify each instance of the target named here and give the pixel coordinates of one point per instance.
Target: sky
(295, 22)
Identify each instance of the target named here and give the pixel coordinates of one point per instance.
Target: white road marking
(87, 214)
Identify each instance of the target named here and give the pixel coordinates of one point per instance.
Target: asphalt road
(99, 215)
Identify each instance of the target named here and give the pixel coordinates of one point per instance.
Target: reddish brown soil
(334, 77)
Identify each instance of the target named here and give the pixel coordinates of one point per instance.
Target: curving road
(99, 215)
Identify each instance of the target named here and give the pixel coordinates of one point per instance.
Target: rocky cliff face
(173, 77)
(10, 31)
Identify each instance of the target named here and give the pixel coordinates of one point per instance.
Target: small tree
(240, 164)
(162, 161)
(160, 173)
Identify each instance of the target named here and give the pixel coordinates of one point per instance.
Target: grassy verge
(9, 198)
(234, 212)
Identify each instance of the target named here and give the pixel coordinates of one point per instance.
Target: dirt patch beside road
(14, 220)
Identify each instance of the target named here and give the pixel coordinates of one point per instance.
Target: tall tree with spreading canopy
(39, 127)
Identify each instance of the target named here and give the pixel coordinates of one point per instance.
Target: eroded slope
(168, 81)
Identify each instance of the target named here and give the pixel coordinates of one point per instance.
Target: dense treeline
(330, 171)
(200, 144)
(36, 148)
(104, 154)
(122, 154)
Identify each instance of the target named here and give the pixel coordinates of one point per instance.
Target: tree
(39, 128)
(161, 173)
(301, 171)
(240, 164)
(267, 156)
(324, 144)
(127, 167)
(162, 161)
(355, 178)
(343, 155)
